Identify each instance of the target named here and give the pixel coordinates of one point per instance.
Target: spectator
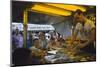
(37, 53)
(13, 40)
(16, 37)
(29, 39)
(51, 44)
(20, 43)
(42, 40)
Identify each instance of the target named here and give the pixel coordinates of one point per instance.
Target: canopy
(56, 9)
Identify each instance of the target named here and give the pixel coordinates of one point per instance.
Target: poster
(72, 38)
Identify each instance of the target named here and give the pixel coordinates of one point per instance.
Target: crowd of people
(44, 39)
(40, 42)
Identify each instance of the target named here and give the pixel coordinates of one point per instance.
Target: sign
(32, 27)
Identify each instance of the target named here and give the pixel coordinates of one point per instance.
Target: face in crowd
(41, 35)
(36, 43)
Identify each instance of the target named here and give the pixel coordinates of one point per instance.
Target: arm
(91, 39)
(74, 36)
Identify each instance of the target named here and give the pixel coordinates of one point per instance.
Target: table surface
(74, 55)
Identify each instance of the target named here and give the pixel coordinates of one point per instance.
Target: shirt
(88, 26)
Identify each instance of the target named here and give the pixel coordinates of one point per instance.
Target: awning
(56, 9)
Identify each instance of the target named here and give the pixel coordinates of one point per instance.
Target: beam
(50, 10)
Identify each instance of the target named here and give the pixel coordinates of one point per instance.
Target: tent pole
(25, 20)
